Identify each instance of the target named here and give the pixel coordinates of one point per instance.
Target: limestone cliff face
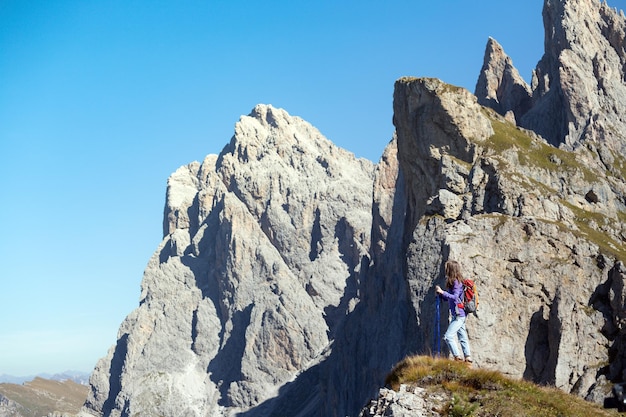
(292, 276)
(518, 214)
(262, 248)
(578, 94)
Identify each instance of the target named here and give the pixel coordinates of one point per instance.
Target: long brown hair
(453, 273)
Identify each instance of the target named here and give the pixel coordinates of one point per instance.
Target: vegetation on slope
(541, 157)
(41, 396)
(480, 392)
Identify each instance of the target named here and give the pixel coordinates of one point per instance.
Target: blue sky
(100, 101)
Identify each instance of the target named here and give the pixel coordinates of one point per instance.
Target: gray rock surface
(406, 402)
(581, 75)
(529, 246)
(261, 252)
(10, 408)
(500, 85)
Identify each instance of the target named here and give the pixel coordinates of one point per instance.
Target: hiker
(453, 293)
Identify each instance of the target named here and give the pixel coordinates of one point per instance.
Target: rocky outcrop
(406, 402)
(578, 93)
(292, 276)
(262, 249)
(535, 248)
(10, 408)
(500, 85)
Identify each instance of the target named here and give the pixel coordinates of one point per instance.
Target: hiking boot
(468, 359)
(458, 359)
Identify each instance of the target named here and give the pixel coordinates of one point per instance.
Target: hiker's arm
(457, 292)
(454, 295)
(444, 294)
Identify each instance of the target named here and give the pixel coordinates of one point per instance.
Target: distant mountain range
(42, 397)
(76, 376)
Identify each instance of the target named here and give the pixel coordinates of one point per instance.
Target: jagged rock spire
(578, 87)
(500, 86)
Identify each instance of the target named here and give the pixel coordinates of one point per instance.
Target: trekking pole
(437, 327)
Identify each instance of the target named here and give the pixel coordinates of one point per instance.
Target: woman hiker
(453, 293)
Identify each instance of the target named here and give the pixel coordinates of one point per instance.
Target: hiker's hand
(438, 289)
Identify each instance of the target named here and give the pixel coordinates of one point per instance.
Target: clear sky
(100, 101)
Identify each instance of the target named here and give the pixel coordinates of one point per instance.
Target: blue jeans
(457, 326)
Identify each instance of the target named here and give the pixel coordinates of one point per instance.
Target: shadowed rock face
(584, 67)
(292, 276)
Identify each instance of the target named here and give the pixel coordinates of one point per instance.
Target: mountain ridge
(42, 397)
(76, 376)
(293, 276)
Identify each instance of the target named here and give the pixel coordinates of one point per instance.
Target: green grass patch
(507, 136)
(533, 152)
(617, 168)
(441, 86)
(584, 220)
(481, 392)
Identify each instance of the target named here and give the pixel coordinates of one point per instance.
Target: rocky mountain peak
(500, 86)
(578, 87)
(263, 246)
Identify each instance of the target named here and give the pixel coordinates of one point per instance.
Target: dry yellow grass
(479, 392)
(42, 396)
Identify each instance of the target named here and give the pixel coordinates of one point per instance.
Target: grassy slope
(479, 392)
(42, 396)
(535, 154)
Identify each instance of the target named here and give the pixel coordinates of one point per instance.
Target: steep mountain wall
(292, 276)
(263, 245)
(499, 207)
